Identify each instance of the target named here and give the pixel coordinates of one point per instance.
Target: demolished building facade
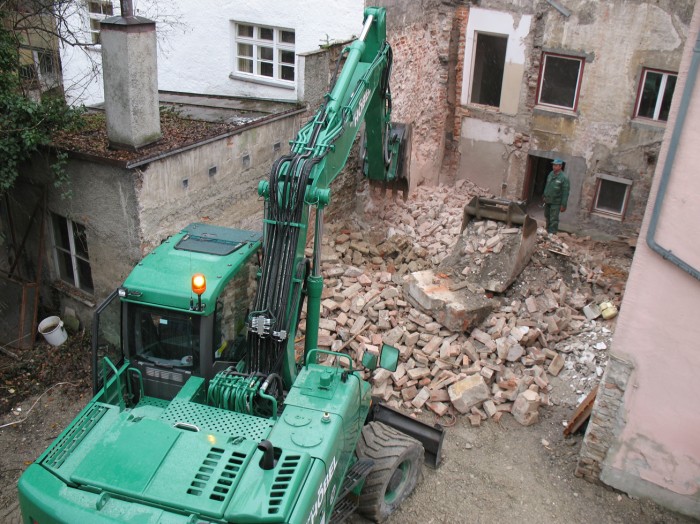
(511, 85)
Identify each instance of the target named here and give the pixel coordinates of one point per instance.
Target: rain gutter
(668, 167)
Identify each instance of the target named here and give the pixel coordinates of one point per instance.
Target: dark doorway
(538, 169)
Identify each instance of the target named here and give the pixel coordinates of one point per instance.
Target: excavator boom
(301, 180)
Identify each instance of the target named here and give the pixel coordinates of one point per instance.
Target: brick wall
(607, 418)
(456, 110)
(420, 84)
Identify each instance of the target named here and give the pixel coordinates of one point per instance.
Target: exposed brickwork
(457, 111)
(606, 420)
(420, 87)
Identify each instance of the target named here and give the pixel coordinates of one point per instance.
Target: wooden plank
(582, 413)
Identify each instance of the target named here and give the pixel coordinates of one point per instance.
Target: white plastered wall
(196, 55)
(498, 23)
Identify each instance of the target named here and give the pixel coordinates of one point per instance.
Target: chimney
(130, 79)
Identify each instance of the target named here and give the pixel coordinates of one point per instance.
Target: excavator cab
(169, 333)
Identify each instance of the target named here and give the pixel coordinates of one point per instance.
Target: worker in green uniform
(556, 194)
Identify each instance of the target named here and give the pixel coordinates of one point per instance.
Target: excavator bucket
(499, 270)
(399, 145)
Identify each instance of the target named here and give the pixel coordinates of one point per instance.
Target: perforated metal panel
(219, 420)
(152, 401)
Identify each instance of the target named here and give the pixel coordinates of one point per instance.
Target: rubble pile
(547, 324)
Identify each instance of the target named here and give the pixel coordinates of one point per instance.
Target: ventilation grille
(218, 420)
(164, 375)
(214, 481)
(76, 433)
(283, 480)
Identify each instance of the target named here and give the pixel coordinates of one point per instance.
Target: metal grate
(219, 420)
(280, 487)
(75, 434)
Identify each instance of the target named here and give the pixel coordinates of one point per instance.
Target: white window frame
(543, 71)
(98, 17)
(61, 221)
(277, 45)
(607, 212)
(659, 96)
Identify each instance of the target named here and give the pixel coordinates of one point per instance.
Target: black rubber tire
(398, 467)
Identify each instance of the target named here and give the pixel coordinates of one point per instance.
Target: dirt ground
(493, 473)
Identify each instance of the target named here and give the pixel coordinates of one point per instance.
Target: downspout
(668, 166)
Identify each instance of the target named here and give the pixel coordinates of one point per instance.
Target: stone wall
(179, 189)
(99, 197)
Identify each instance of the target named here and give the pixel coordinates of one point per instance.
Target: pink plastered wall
(657, 450)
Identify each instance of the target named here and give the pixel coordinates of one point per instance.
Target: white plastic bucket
(52, 330)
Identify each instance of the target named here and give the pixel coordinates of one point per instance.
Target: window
(264, 52)
(41, 68)
(47, 62)
(560, 81)
(27, 73)
(655, 94)
(611, 196)
(71, 253)
(99, 10)
(489, 63)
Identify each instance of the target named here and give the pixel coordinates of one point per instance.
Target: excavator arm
(301, 180)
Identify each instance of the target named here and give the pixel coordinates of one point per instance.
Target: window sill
(258, 80)
(483, 107)
(648, 123)
(74, 293)
(551, 111)
(609, 215)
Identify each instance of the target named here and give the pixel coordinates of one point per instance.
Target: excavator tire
(398, 462)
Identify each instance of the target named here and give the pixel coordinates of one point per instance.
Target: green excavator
(203, 410)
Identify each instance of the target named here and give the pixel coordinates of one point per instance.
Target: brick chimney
(130, 79)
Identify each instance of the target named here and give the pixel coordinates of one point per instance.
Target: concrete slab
(456, 310)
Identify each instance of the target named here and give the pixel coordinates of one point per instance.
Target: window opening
(612, 194)
(489, 64)
(71, 253)
(655, 94)
(560, 81)
(98, 11)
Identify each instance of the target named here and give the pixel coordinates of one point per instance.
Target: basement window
(655, 94)
(611, 196)
(264, 53)
(70, 252)
(560, 81)
(489, 64)
(98, 11)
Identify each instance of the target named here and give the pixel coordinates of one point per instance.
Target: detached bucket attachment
(499, 209)
(398, 150)
(501, 269)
